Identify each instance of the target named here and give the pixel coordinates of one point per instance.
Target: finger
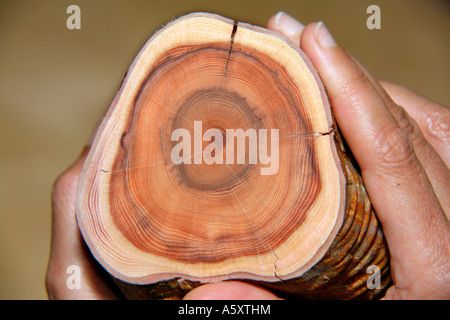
(230, 290)
(287, 25)
(69, 256)
(394, 178)
(437, 171)
(432, 118)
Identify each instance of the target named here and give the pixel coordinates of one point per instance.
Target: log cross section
(216, 160)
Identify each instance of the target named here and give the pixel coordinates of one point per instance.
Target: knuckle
(61, 183)
(64, 190)
(50, 285)
(54, 285)
(349, 86)
(394, 147)
(403, 119)
(408, 125)
(65, 181)
(438, 124)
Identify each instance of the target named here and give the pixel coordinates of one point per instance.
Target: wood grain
(172, 226)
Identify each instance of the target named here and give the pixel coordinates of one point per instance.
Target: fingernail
(288, 24)
(323, 36)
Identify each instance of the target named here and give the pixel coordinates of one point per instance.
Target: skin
(401, 142)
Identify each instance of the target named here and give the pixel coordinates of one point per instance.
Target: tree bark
(219, 159)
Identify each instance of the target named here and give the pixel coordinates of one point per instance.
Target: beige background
(55, 84)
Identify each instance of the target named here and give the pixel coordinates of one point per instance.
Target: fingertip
(230, 290)
(323, 36)
(271, 23)
(307, 39)
(286, 25)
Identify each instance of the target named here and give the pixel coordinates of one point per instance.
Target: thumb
(230, 290)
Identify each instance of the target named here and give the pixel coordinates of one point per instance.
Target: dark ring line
(152, 233)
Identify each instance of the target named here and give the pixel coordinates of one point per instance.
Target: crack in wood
(310, 135)
(233, 33)
(275, 272)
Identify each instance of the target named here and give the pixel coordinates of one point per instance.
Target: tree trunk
(219, 159)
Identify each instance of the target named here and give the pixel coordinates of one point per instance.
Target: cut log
(219, 159)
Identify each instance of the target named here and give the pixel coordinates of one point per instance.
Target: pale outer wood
(141, 268)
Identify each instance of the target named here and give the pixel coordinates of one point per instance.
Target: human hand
(68, 247)
(404, 159)
(404, 156)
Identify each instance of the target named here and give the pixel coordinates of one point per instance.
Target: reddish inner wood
(209, 213)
